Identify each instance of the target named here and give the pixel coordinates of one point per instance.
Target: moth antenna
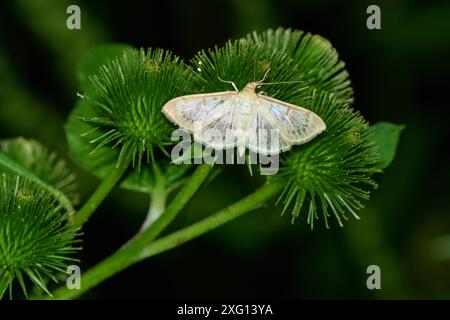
(265, 76)
(281, 82)
(228, 81)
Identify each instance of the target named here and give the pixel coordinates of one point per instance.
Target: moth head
(259, 83)
(253, 86)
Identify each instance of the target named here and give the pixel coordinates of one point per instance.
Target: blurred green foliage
(398, 74)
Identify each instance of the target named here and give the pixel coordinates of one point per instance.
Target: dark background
(399, 73)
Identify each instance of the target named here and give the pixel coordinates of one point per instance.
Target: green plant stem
(188, 190)
(129, 253)
(218, 219)
(100, 194)
(158, 198)
(157, 206)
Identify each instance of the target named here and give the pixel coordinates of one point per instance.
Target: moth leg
(231, 82)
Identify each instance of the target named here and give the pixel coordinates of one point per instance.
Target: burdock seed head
(35, 240)
(44, 163)
(129, 94)
(332, 173)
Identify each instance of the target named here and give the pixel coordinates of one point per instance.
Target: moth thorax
(251, 87)
(246, 108)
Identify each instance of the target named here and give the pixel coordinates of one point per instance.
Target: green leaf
(94, 59)
(80, 133)
(386, 136)
(80, 148)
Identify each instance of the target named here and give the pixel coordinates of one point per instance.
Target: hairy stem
(100, 194)
(129, 253)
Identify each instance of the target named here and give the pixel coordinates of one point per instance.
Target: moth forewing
(184, 111)
(241, 119)
(299, 125)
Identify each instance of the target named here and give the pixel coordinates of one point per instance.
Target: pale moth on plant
(244, 119)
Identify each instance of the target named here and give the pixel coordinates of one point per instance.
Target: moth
(244, 119)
